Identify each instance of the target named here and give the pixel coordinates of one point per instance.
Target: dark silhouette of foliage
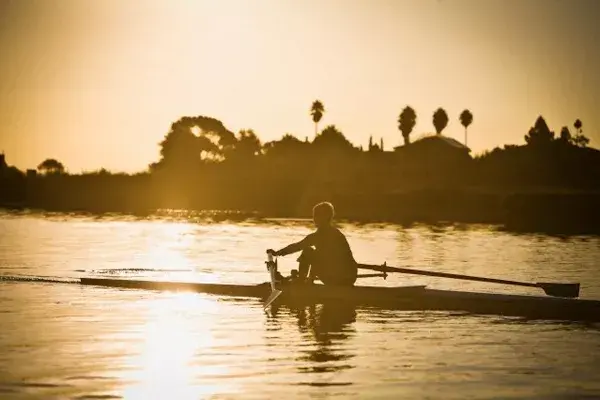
(579, 139)
(287, 147)
(440, 120)
(51, 166)
(316, 111)
(223, 139)
(181, 147)
(466, 119)
(204, 166)
(9, 172)
(544, 160)
(565, 135)
(247, 146)
(406, 123)
(539, 134)
(194, 139)
(13, 185)
(374, 146)
(331, 141)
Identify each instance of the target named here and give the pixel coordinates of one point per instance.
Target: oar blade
(560, 289)
(272, 267)
(274, 295)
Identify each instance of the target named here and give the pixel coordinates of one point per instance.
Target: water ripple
(61, 340)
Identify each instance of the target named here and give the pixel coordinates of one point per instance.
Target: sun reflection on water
(177, 330)
(165, 248)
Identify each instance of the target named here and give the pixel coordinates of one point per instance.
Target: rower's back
(334, 260)
(331, 245)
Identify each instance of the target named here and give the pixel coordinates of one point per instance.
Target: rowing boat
(394, 298)
(312, 293)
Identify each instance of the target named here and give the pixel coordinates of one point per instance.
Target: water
(63, 340)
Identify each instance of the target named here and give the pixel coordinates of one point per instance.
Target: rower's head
(323, 214)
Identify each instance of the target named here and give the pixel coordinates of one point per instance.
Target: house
(434, 143)
(435, 148)
(434, 157)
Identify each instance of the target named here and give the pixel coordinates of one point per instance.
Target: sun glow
(168, 249)
(171, 340)
(142, 65)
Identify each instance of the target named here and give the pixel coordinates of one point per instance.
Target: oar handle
(385, 268)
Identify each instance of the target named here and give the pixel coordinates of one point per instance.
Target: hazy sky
(98, 83)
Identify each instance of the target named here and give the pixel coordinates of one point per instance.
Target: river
(61, 340)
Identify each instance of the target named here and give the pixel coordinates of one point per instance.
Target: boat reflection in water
(327, 327)
(189, 346)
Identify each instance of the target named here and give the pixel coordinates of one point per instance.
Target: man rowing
(326, 254)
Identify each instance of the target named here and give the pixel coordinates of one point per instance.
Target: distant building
(436, 147)
(434, 159)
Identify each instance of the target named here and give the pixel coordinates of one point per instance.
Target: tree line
(203, 165)
(205, 140)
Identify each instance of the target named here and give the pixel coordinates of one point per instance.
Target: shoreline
(517, 213)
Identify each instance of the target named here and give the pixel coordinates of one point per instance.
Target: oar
(382, 275)
(551, 289)
(272, 267)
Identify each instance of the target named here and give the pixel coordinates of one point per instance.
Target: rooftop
(429, 137)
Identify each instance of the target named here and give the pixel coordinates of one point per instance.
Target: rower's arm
(298, 246)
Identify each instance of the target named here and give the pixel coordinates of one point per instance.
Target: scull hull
(395, 298)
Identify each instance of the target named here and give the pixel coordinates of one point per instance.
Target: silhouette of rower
(326, 253)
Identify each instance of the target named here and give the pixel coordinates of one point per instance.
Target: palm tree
(440, 120)
(577, 124)
(406, 122)
(316, 110)
(466, 118)
(580, 139)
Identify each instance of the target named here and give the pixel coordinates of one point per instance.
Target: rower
(326, 254)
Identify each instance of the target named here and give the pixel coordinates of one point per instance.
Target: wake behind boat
(393, 298)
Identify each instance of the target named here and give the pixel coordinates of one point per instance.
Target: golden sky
(98, 83)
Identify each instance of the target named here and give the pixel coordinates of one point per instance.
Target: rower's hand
(272, 252)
